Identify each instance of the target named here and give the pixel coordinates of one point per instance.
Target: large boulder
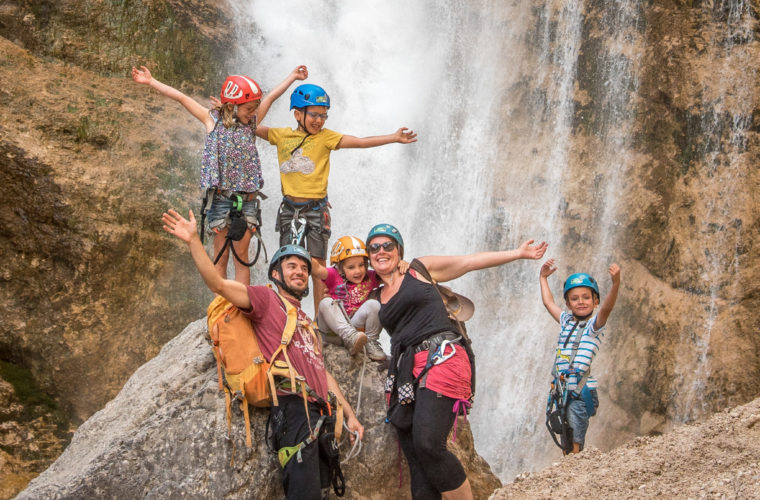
(165, 436)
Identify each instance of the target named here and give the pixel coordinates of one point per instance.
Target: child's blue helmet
(389, 231)
(578, 280)
(309, 95)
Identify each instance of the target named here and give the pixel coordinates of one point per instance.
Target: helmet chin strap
(282, 286)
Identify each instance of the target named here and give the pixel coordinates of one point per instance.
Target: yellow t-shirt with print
(304, 172)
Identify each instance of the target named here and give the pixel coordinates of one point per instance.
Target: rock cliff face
(87, 165)
(165, 436)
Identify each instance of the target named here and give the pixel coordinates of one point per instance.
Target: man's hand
(180, 227)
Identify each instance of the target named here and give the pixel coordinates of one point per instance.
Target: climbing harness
(299, 222)
(327, 442)
(238, 224)
(298, 228)
(560, 396)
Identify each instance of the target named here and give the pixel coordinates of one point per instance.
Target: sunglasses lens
(387, 246)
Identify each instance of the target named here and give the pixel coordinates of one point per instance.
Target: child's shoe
(354, 340)
(375, 351)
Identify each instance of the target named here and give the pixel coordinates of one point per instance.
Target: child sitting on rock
(348, 311)
(579, 339)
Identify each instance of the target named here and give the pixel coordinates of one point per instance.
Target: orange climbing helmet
(345, 247)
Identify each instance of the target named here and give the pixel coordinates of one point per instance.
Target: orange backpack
(244, 372)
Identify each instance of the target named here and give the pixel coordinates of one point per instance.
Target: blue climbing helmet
(276, 263)
(287, 251)
(578, 280)
(389, 231)
(309, 95)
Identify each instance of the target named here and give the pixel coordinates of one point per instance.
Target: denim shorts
(315, 234)
(218, 216)
(577, 417)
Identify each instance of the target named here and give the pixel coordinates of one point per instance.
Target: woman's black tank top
(415, 313)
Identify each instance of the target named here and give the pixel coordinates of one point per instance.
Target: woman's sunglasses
(387, 246)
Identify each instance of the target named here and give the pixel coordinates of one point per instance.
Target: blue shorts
(578, 417)
(218, 216)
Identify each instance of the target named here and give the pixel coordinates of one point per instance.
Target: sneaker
(375, 351)
(355, 342)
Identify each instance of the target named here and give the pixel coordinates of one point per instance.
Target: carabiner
(440, 356)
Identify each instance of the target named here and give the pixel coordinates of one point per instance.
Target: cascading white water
(476, 180)
(491, 89)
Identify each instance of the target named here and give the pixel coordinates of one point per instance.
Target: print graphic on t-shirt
(297, 163)
(304, 341)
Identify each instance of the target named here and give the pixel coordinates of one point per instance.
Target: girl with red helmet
(231, 169)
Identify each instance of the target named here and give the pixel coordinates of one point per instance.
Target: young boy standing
(304, 157)
(579, 340)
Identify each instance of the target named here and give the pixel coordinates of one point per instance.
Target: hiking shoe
(375, 351)
(355, 341)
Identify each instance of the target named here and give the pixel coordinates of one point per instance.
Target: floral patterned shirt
(230, 158)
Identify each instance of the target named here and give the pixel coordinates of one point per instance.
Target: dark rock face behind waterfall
(90, 290)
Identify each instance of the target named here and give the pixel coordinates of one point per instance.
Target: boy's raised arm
(184, 229)
(609, 300)
(402, 135)
(547, 269)
(300, 73)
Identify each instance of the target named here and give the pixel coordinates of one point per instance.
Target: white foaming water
(476, 180)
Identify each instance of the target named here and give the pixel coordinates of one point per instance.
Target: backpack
(243, 371)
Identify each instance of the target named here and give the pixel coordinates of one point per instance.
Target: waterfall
(492, 88)
(494, 125)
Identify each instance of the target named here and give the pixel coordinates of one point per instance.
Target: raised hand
(405, 136)
(614, 271)
(141, 75)
(533, 252)
(300, 73)
(180, 227)
(548, 268)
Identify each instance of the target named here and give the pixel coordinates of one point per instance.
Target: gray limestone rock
(165, 436)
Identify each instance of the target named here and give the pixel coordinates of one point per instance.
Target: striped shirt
(590, 340)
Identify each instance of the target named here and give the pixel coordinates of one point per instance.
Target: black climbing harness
(238, 224)
(560, 397)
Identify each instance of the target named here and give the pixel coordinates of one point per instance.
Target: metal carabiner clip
(440, 356)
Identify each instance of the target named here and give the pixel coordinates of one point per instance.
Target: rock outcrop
(165, 436)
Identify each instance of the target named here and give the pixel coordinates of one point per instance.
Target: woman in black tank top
(412, 312)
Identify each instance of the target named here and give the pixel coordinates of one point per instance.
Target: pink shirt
(268, 318)
(353, 295)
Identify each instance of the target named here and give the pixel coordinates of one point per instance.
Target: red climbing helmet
(239, 89)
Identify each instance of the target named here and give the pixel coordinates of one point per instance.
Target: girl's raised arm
(143, 76)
